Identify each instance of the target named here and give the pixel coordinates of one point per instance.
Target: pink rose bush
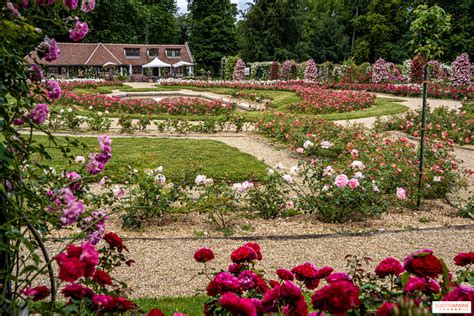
(244, 289)
(461, 71)
(311, 71)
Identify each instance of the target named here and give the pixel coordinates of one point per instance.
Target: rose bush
(244, 289)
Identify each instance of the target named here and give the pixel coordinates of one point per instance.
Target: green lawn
(177, 156)
(192, 305)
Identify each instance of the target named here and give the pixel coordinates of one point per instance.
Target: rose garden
(289, 189)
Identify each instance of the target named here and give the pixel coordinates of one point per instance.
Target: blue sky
(183, 4)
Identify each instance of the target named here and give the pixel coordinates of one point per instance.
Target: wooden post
(422, 135)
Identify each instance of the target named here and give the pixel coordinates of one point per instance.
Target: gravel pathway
(166, 267)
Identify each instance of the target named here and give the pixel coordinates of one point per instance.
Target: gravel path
(166, 267)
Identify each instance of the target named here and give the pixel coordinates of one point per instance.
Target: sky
(183, 5)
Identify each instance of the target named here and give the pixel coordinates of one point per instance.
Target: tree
(162, 25)
(212, 31)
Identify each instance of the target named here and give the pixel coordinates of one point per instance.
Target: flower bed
(182, 106)
(87, 84)
(393, 288)
(442, 124)
(323, 101)
(391, 162)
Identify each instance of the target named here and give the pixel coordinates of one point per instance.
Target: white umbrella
(156, 63)
(182, 63)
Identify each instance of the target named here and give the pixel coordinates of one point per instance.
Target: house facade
(98, 60)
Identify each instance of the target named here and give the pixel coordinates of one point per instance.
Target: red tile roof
(98, 54)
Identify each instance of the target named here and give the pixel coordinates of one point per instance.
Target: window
(152, 52)
(175, 52)
(132, 52)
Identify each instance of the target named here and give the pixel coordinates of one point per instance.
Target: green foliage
(427, 29)
(268, 199)
(212, 31)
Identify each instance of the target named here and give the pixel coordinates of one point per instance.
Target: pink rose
(341, 181)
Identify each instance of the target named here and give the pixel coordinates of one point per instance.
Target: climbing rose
(239, 70)
(423, 264)
(203, 255)
(461, 70)
(36, 293)
(40, 113)
(243, 254)
(79, 31)
(336, 298)
(311, 72)
(464, 258)
(388, 266)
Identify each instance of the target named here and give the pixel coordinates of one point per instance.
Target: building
(79, 60)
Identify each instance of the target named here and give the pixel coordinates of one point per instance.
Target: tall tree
(161, 22)
(271, 30)
(212, 31)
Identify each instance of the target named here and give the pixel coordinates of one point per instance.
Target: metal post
(422, 134)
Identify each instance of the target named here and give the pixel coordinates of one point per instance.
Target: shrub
(392, 288)
(231, 61)
(311, 72)
(461, 70)
(326, 71)
(239, 70)
(286, 70)
(274, 70)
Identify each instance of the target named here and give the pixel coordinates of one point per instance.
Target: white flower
(91, 107)
(290, 204)
(437, 179)
(106, 112)
(280, 166)
(159, 169)
(201, 179)
(327, 172)
(294, 170)
(357, 164)
(80, 159)
(270, 171)
(99, 113)
(300, 150)
(307, 144)
(326, 144)
(160, 179)
(148, 172)
(288, 178)
(61, 111)
(359, 175)
(375, 187)
(325, 187)
(70, 110)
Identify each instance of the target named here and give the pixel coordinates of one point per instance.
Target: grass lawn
(192, 305)
(177, 156)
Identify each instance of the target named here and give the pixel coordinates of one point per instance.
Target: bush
(311, 72)
(275, 71)
(286, 70)
(461, 70)
(416, 69)
(239, 70)
(326, 71)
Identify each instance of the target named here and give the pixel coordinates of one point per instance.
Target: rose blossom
(386, 309)
(48, 50)
(77, 262)
(300, 150)
(353, 183)
(71, 4)
(87, 5)
(288, 178)
(75, 180)
(53, 89)
(256, 248)
(236, 305)
(77, 291)
(423, 264)
(357, 164)
(464, 258)
(102, 278)
(114, 241)
(341, 181)
(421, 284)
(223, 282)
(389, 266)
(243, 254)
(285, 274)
(326, 144)
(307, 144)
(401, 194)
(79, 31)
(37, 72)
(460, 293)
(40, 113)
(36, 293)
(336, 298)
(338, 276)
(80, 160)
(204, 255)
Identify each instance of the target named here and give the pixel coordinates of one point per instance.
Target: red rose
(114, 241)
(102, 278)
(305, 271)
(77, 291)
(236, 305)
(70, 269)
(270, 299)
(285, 274)
(423, 264)
(464, 258)
(386, 309)
(122, 304)
(155, 312)
(336, 298)
(77, 262)
(243, 254)
(37, 293)
(324, 272)
(461, 293)
(290, 291)
(256, 248)
(389, 266)
(203, 255)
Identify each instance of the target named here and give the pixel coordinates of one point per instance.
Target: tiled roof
(98, 54)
